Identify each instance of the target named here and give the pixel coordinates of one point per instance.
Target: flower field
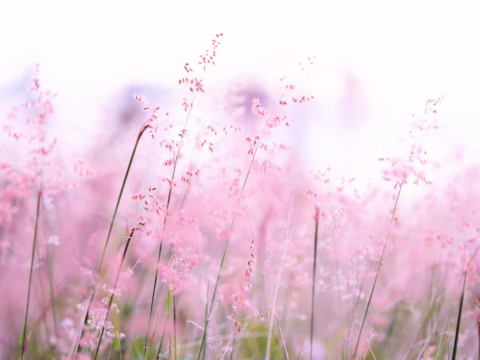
(195, 229)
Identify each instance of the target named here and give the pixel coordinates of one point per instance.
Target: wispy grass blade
(161, 340)
(174, 300)
(425, 348)
(129, 239)
(50, 276)
(460, 307)
(163, 336)
(204, 354)
(376, 274)
(448, 347)
(440, 344)
(312, 311)
(32, 261)
(274, 299)
(144, 127)
(459, 319)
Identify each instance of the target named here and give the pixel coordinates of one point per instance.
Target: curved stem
(144, 127)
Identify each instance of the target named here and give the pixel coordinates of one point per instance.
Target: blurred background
(376, 64)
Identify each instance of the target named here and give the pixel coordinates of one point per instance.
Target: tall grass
(165, 225)
(460, 307)
(144, 127)
(114, 288)
(312, 311)
(376, 274)
(32, 261)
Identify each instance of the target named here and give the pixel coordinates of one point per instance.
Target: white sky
(401, 53)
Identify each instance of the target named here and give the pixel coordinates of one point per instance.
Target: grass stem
(459, 316)
(144, 127)
(129, 239)
(32, 262)
(312, 311)
(376, 274)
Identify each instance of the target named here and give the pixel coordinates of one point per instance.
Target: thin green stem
(336, 270)
(50, 276)
(129, 239)
(353, 312)
(376, 275)
(459, 317)
(174, 298)
(440, 344)
(312, 311)
(161, 340)
(144, 127)
(42, 302)
(204, 354)
(275, 297)
(233, 346)
(145, 347)
(24, 337)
